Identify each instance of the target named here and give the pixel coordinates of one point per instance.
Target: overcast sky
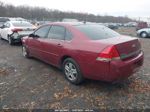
(132, 8)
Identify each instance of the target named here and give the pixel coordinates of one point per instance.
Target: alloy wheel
(71, 71)
(144, 35)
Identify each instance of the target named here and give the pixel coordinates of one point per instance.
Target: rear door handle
(59, 45)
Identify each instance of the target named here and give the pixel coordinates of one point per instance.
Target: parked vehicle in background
(5, 19)
(113, 26)
(2, 21)
(148, 24)
(69, 20)
(130, 24)
(141, 25)
(13, 31)
(85, 51)
(145, 32)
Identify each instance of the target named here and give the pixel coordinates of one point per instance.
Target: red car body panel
(85, 51)
(141, 25)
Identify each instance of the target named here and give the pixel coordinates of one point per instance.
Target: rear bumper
(120, 70)
(113, 71)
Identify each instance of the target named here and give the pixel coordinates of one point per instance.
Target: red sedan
(85, 51)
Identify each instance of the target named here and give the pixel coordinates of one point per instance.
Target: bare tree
(38, 13)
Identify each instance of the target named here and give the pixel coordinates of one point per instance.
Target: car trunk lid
(126, 46)
(129, 48)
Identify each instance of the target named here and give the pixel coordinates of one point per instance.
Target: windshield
(97, 32)
(22, 24)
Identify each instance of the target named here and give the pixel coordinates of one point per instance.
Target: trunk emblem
(133, 45)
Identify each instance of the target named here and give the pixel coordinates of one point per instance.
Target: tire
(10, 41)
(69, 66)
(144, 35)
(1, 37)
(25, 52)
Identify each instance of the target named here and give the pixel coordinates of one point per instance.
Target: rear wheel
(144, 34)
(1, 37)
(10, 40)
(25, 52)
(72, 71)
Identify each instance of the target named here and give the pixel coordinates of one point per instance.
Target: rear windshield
(97, 32)
(4, 19)
(20, 24)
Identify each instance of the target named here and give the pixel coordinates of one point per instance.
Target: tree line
(39, 13)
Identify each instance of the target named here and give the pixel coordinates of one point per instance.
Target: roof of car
(71, 23)
(19, 22)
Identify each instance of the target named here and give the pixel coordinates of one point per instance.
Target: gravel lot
(30, 83)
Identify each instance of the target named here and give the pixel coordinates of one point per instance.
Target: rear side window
(68, 36)
(57, 32)
(97, 32)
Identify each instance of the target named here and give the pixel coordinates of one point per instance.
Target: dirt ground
(31, 83)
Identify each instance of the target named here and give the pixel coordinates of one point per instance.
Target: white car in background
(13, 31)
(145, 32)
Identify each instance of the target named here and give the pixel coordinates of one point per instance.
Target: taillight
(16, 29)
(109, 54)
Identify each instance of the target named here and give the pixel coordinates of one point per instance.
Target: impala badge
(133, 45)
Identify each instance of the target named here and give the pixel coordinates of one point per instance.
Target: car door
(5, 31)
(35, 45)
(53, 45)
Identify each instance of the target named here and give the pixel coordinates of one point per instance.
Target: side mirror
(32, 35)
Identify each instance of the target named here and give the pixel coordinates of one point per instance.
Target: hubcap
(70, 71)
(24, 51)
(144, 34)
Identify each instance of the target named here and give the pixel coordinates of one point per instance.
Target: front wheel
(25, 52)
(72, 71)
(144, 34)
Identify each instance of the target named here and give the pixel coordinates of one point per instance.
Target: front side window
(57, 32)
(42, 31)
